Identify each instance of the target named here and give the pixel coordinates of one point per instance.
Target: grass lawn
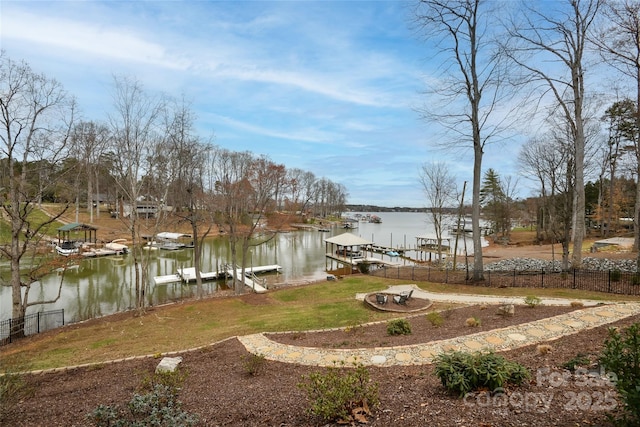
(191, 324)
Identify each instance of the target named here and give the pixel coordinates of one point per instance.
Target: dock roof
(348, 239)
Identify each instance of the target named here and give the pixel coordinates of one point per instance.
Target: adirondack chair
(402, 298)
(381, 299)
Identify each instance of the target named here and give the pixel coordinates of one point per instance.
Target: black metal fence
(30, 324)
(609, 281)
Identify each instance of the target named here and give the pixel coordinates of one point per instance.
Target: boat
(117, 246)
(168, 241)
(375, 219)
(67, 248)
(393, 253)
(350, 224)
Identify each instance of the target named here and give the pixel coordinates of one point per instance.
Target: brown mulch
(422, 330)
(219, 389)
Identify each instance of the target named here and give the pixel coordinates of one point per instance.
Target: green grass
(199, 323)
(36, 218)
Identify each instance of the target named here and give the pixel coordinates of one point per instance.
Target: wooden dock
(188, 275)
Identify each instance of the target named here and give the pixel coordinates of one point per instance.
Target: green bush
(621, 360)
(462, 372)
(398, 327)
(580, 359)
(435, 318)
(364, 267)
(158, 407)
(341, 394)
(532, 301)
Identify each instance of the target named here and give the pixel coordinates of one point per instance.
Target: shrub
(364, 267)
(532, 301)
(435, 319)
(158, 407)
(580, 359)
(341, 395)
(254, 364)
(543, 349)
(621, 357)
(473, 322)
(398, 327)
(462, 372)
(576, 304)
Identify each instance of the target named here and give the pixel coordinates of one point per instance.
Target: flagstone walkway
(419, 354)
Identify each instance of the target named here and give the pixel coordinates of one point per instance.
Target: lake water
(103, 286)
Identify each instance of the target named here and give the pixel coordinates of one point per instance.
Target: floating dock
(187, 275)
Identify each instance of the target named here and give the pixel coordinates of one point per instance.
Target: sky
(330, 87)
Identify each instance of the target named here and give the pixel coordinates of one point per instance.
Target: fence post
(10, 329)
(514, 278)
(574, 278)
(609, 281)
(38, 322)
(542, 278)
(63, 317)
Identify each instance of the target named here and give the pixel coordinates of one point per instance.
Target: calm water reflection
(104, 285)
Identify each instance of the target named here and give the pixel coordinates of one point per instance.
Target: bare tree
(549, 45)
(185, 186)
(36, 116)
(133, 125)
(549, 161)
(440, 189)
(472, 85)
(89, 141)
(619, 43)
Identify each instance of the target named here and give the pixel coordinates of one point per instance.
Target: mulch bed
(422, 330)
(219, 389)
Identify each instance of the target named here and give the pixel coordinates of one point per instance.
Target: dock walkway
(188, 275)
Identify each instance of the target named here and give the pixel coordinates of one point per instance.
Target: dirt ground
(220, 390)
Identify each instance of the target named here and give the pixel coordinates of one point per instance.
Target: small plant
(462, 372)
(156, 405)
(346, 396)
(435, 319)
(576, 304)
(398, 327)
(447, 312)
(254, 364)
(543, 349)
(171, 379)
(473, 322)
(579, 359)
(12, 389)
(621, 359)
(532, 301)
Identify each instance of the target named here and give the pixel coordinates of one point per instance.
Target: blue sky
(331, 87)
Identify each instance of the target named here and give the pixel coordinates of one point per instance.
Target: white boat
(67, 248)
(168, 241)
(118, 246)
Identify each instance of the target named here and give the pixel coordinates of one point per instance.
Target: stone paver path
(419, 354)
